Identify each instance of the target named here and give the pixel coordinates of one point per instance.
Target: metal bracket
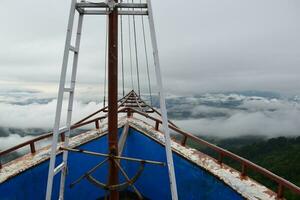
(117, 187)
(111, 4)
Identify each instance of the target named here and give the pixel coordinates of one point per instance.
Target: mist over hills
(224, 115)
(237, 114)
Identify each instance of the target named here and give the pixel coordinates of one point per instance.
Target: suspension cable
(147, 61)
(122, 53)
(136, 54)
(105, 60)
(130, 50)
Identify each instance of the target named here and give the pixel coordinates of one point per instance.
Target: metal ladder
(57, 130)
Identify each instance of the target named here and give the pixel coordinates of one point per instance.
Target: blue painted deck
(192, 181)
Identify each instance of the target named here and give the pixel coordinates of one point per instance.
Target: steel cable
(105, 60)
(147, 61)
(130, 50)
(122, 53)
(136, 54)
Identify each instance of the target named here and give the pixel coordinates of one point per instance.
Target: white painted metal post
(162, 105)
(56, 130)
(70, 106)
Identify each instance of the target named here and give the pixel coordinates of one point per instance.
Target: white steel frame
(84, 9)
(163, 108)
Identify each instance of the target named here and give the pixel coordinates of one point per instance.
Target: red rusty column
(113, 98)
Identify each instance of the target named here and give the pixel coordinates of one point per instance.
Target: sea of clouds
(25, 114)
(235, 115)
(265, 123)
(212, 114)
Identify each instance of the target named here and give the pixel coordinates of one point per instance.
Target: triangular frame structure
(107, 8)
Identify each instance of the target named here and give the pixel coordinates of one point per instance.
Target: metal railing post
(183, 142)
(97, 124)
(244, 170)
(280, 191)
(32, 147)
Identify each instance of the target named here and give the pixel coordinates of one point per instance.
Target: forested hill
(280, 155)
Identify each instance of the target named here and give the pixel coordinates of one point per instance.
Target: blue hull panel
(192, 181)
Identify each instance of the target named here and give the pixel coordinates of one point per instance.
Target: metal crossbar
(88, 8)
(103, 12)
(112, 156)
(83, 5)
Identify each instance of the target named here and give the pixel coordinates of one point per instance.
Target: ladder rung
(68, 90)
(59, 168)
(63, 129)
(73, 49)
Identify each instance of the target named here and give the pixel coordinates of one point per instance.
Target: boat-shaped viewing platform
(198, 175)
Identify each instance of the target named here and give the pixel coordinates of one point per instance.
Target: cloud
(214, 114)
(255, 116)
(245, 124)
(224, 47)
(41, 115)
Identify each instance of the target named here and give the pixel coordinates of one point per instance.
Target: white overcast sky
(205, 45)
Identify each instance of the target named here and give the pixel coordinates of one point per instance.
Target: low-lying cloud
(20, 123)
(221, 115)
(242, 123)
(40, 115)
(251, 116)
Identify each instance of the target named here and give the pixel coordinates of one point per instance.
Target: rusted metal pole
(244, 170)
(97, 124)
(157, 125)
(220, 160)
(113, 98)
(62, 137)
(32, 147)
(129, 114)
(280, 191)
(183, 142)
